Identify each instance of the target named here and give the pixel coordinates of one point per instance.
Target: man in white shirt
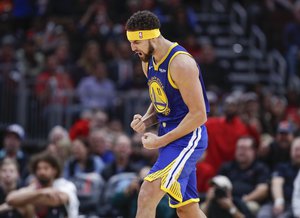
(48, 194)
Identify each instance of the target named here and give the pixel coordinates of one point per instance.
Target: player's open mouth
(139, 53)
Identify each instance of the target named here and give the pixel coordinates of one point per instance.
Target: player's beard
(148, 55)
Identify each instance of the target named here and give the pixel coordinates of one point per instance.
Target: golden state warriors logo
(158, 96)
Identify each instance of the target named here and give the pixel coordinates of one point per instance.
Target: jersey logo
(158, 96)
(162, 70)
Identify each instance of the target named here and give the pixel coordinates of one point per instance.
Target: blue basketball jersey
(164, 94)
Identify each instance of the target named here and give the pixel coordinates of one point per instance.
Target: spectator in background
(122, 163)
(213, 100)
(48, 194)
(293, 108)
(204, 173)
(82, 161)
(89, 58)
(9, 77)
(31, 60)
(125, 199)
(220, 202)
(250, 112)
(99, 120)
(58, 133)
(223, 133)
(139, 82)
(180, 19)
(192, 46)
(54, 89)
(278, 151)
(213, 74)
(249, 177)
(9, 181)
(121, 67)
(96, 21)
(282, 183)
(13, 137)
(63, 57)
(59, 143)
(274, 112)
(82, 126)
(49, 38)
(99, 140)
(296, 197)
(97, 91)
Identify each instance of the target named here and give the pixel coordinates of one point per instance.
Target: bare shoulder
(183, 64)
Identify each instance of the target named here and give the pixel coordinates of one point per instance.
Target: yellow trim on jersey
(192, 200)
(142, 34)
(175, 189)
(169, 74)
(164, 58)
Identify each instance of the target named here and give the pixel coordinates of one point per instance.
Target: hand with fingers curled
(137, 124)
(151, 141)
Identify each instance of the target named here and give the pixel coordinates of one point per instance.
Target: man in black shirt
(248, 176)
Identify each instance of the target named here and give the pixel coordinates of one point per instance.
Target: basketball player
(180, 105)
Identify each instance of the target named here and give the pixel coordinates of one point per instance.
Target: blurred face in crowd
(9, 173)
(143, 48)
(7, 52)
(295, 151)
(100, 71)
(52, 63)
(123, 147)
(79, 150)
(284, 139)
(245, 153)
(12, 143)
(230, 107)
(62, 53)
(57, 133)
(124, 50)
(98, 142)
(45, 173)
(92, 51)
(99, 120)
(208, 54)
(278, 106)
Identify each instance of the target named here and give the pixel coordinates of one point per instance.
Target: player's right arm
(141, 123)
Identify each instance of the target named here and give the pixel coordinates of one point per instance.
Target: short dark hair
(48, 158)
(143, 20)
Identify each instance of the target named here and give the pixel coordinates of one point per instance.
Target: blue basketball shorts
(176, 166)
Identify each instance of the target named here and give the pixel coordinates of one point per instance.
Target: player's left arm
(185, 75)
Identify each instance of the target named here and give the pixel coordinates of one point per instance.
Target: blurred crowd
(74, 52)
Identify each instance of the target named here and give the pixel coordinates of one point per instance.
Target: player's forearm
(22, 197)
(191, 122)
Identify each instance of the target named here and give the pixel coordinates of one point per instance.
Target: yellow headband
(142, 34)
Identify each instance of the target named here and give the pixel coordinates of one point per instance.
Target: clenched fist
(150, 140)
